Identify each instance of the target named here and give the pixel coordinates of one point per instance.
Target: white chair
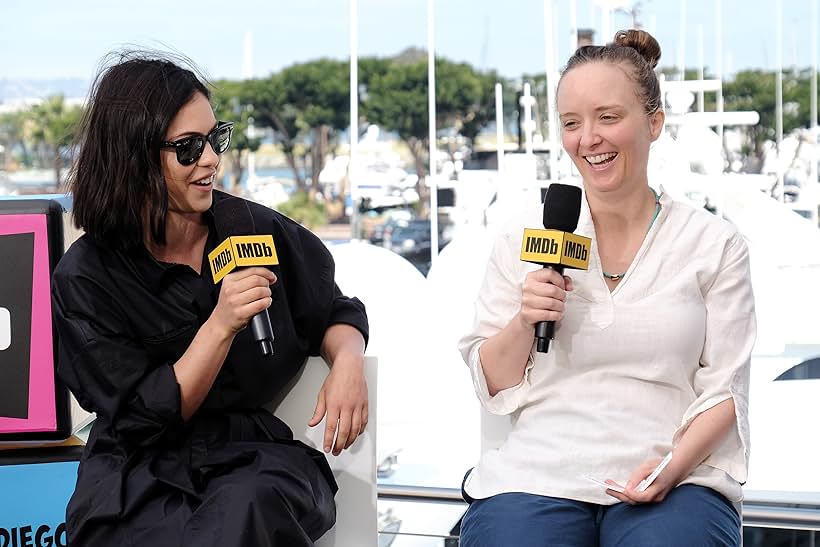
(354, 469)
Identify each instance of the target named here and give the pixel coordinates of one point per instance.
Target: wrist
(522, 324)
(214, 330)
(675, 472)
(348, 360)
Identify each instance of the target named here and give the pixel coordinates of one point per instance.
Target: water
(283, 172)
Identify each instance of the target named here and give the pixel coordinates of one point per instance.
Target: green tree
(271, 109)
(753, 90)
(319, 92)
(12, 135)
(304, 210)
(464, 98)
(397, 101)
(54, 126)
(227, 99)
(305, 103)
(369, 68)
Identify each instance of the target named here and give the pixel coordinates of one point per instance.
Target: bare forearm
(341, 340)
(196, 370)
(342, 400)
(504, 356)
(702, 437)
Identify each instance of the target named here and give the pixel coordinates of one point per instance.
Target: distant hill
(410, 56)
(16, 90)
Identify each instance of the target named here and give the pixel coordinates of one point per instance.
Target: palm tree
(54, 126)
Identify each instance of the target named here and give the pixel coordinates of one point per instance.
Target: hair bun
(642, 42)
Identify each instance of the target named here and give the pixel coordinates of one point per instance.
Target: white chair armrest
(354, 469)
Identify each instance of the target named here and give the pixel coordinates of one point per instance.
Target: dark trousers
(690, 516)
(271, 501)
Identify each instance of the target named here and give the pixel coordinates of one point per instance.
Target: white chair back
(354, 469)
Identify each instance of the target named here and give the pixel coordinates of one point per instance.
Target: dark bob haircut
(119, 191)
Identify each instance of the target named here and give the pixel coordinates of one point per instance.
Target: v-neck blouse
(628, 369)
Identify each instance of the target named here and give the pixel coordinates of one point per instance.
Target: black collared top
(124, 319)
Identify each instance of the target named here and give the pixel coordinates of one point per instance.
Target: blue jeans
(690, 516)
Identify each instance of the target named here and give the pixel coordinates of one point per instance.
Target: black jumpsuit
(232, 474)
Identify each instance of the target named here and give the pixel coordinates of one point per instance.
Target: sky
(51, 39)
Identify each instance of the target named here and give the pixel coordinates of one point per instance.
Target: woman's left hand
(343, 398)
(655, 492)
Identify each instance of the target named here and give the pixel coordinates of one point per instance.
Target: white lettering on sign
(5, 329)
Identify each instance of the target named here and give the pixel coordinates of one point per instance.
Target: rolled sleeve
(726, 357)
(310, 273)
(505, 401)
(349, 311)
(497, 303)
(109, 373)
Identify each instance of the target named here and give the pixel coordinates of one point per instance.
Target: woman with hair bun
(633, 429)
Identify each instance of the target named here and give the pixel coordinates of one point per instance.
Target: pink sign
(41, 413)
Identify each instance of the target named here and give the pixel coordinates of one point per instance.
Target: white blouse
(628, 369)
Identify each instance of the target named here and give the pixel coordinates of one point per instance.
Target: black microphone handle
(545, 330)
(263, 332)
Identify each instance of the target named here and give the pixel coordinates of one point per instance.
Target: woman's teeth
(601, 158)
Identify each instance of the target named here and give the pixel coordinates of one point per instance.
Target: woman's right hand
(244, 293)
(542, 296)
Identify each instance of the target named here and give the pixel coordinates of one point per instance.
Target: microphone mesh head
(562, 207)
(232, 218)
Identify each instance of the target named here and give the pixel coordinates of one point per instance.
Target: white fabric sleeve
(497, 303)
(726, 358)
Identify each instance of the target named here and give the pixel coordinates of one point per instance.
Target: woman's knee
(690, 515)
(264, 497)
(479, 526)
(526, 520)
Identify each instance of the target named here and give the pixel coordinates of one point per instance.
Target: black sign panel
(16, 280)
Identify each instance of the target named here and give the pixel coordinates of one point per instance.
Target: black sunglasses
(189, 149)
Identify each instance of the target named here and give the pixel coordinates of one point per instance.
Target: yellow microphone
(238, 251)
(556, 246)
(232, 217)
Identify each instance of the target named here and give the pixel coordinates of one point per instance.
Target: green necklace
(619, 276)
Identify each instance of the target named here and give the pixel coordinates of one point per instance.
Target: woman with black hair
(182, 452)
